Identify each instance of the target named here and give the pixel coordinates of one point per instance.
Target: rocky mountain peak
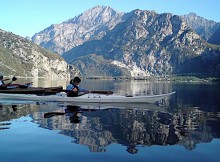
(193, 15)
(100, 14)
(90, 25)
(200, 25)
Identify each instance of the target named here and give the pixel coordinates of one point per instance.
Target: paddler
(3, 84)
(73, 87)
(1, 80)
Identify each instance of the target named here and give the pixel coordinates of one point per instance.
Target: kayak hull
(32, 90)
(86, 98)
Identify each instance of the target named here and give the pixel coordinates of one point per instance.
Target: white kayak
(86, 98)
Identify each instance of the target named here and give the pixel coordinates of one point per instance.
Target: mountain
(93, 24)
(20, 57)
(215, 38)
(205, 28)
(105, 42)
(149, 44)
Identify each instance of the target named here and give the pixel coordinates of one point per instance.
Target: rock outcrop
(21, 57)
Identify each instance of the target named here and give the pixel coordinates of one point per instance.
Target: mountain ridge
(21, 57)
(175, 41)
(90, 25)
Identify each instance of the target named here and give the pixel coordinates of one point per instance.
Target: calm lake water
(183, 127)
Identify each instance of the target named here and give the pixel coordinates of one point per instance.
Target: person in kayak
(1, 80)
(74, 87)
(4, 85)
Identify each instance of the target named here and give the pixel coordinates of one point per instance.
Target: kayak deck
(87, 98)
(32, 90)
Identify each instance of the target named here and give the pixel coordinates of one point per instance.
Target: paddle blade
(102, 92)
(14, 79)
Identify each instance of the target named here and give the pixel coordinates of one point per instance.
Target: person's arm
(71, 87)
(6, 84)
(1, 83)
(82, 89)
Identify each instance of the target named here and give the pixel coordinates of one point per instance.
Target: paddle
(51, 114)
(97, 92)
(101, 92)
(12, 80)
(10, 85)
(5, 80)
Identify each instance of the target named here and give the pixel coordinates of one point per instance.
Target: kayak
(31, 90)
(28, 89)
(12, 86)
(86, 98)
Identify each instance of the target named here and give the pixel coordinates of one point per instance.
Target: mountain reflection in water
(188, 118)
(130, 127)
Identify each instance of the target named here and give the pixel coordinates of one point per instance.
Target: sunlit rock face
(139, 44)
(21, 57)
(93, 24)
(147, 44)
(205, 28)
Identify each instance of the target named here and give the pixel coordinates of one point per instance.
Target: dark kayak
(32, 90)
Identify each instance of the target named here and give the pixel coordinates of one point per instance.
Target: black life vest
(73, 94)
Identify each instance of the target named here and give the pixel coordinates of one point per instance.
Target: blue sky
(27, 17)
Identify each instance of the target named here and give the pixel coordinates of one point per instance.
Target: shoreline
(152, 78)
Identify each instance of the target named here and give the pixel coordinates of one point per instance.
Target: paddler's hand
(74, 90)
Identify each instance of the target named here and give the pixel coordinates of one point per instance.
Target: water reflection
(137, 87)
(98, 128)
(205, 96)
(189, 117)
(8, 112)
